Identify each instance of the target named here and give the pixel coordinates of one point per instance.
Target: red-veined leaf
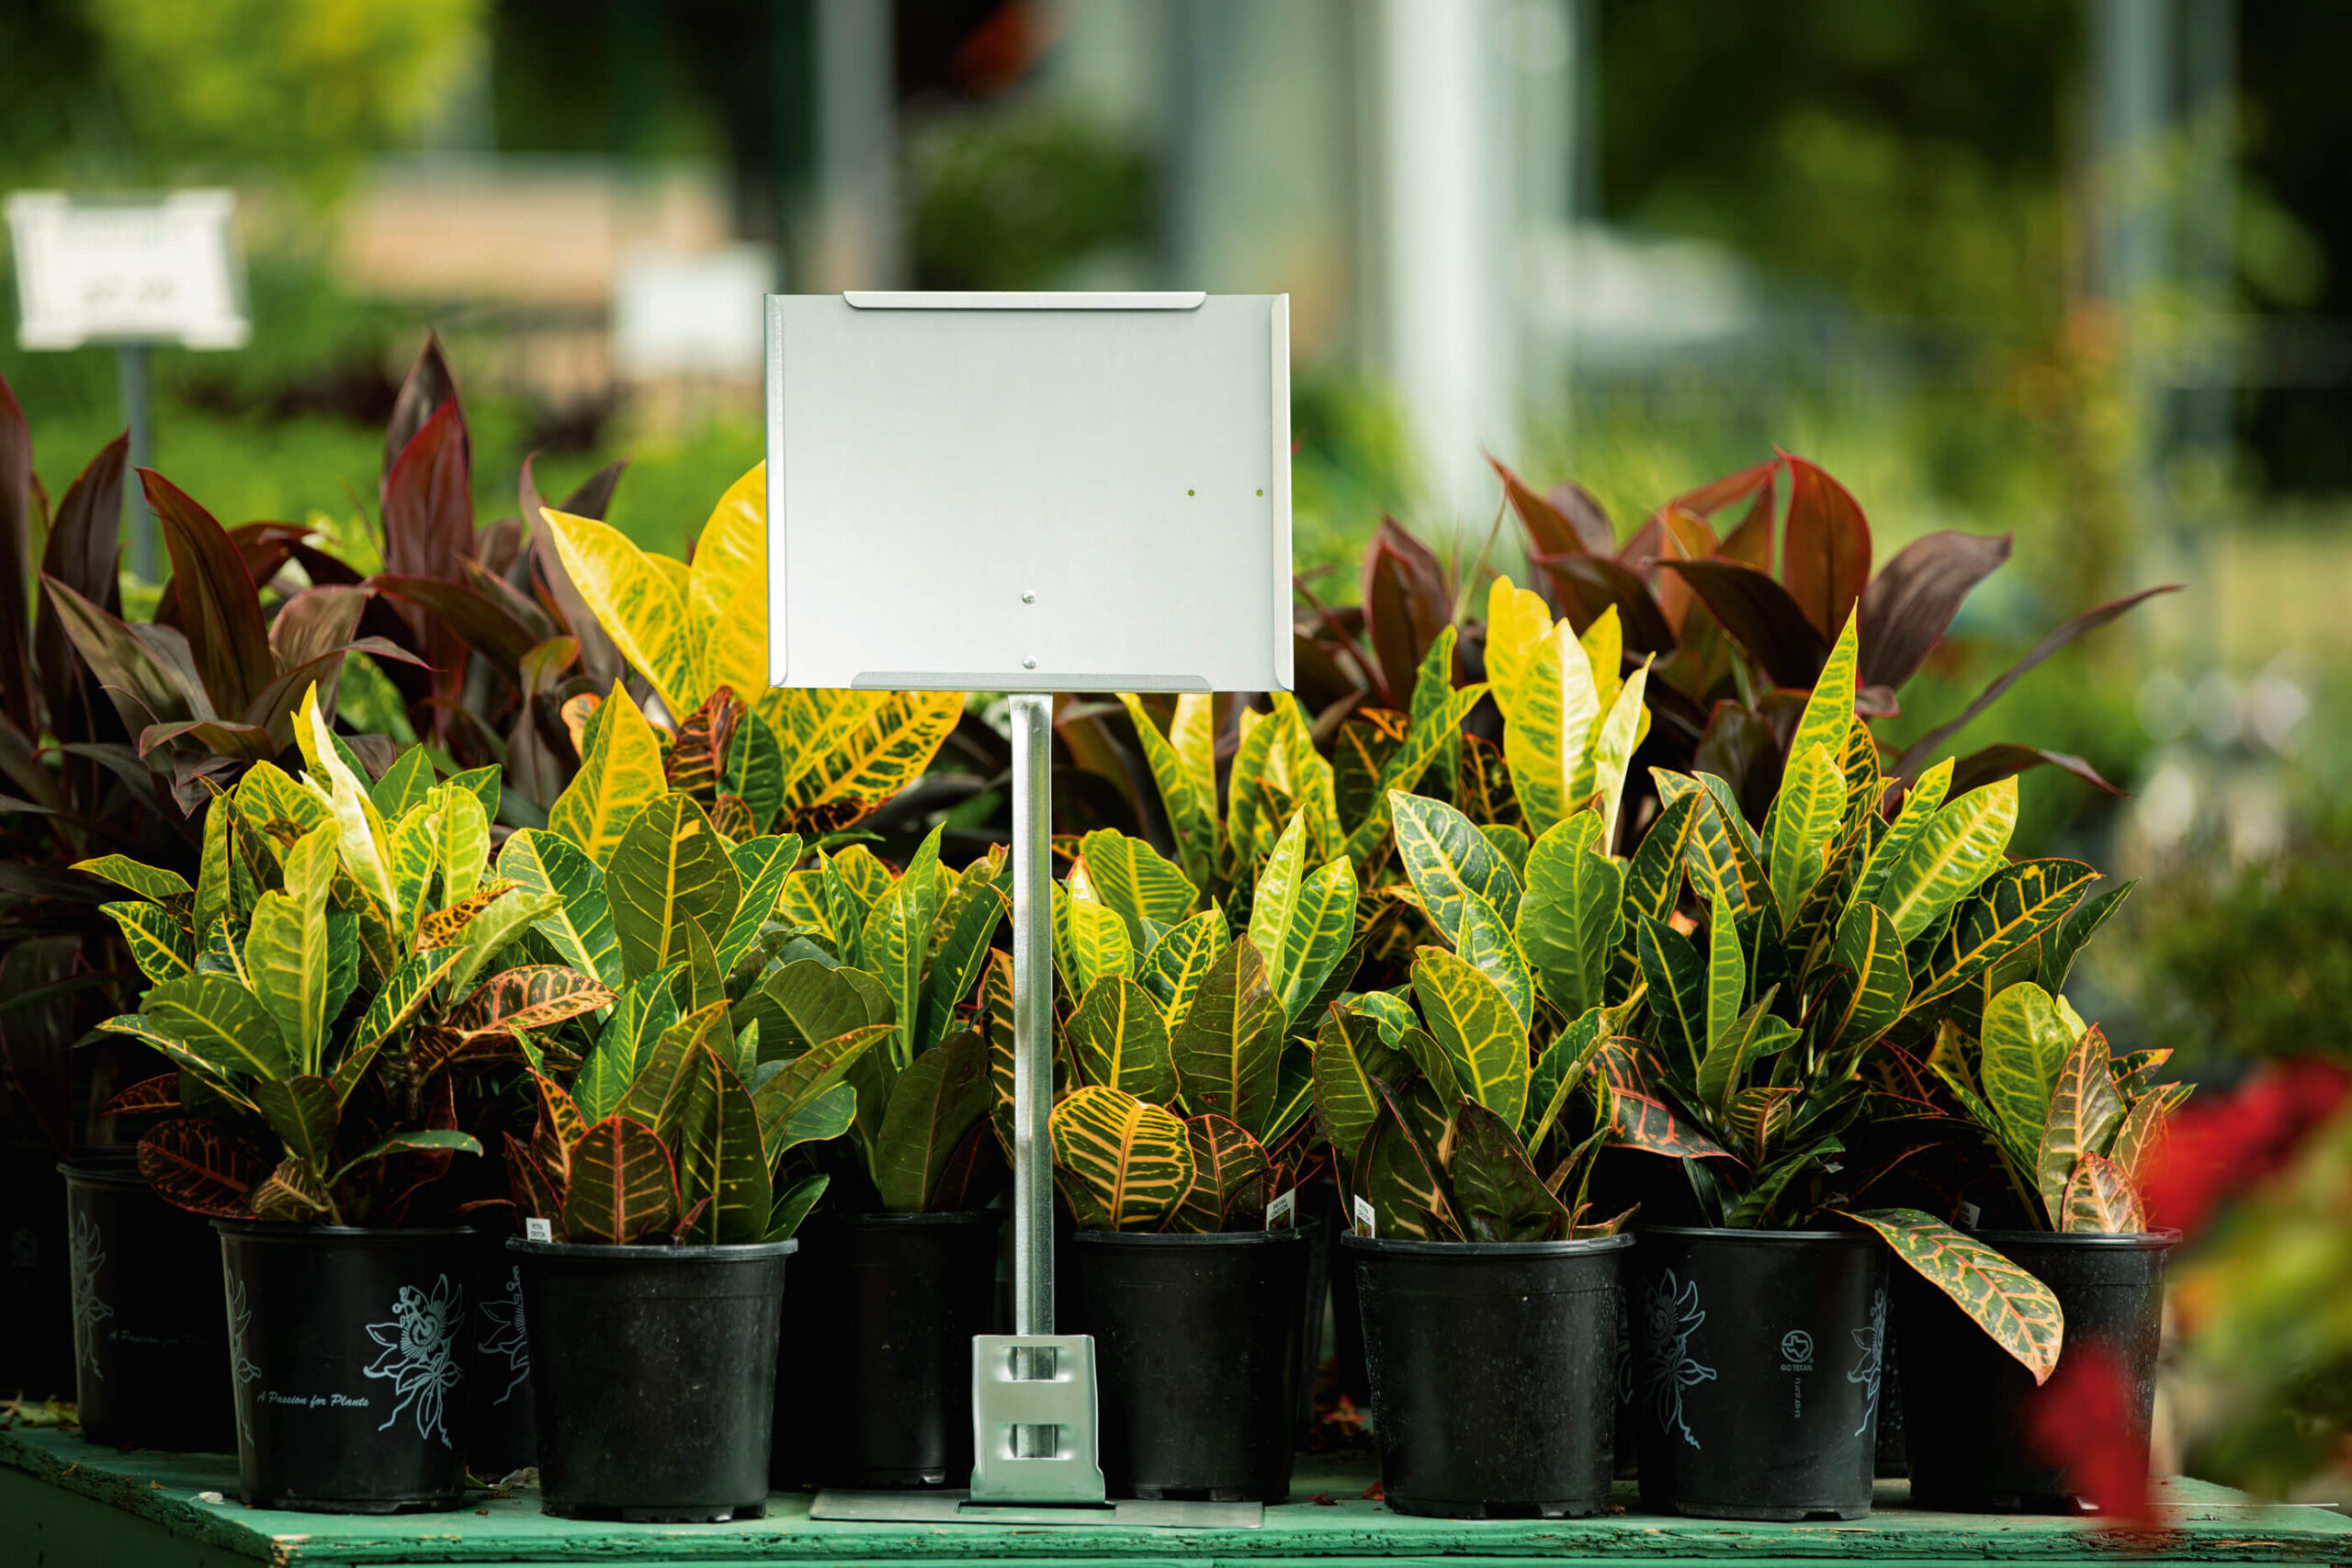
(2001, 1299)
(146, 1097)
(1229, 1170)
(534, 996)
(2100, 1199)
(624, 1184)
(198, 1166)
(1638, 1117)
(2085, 1107)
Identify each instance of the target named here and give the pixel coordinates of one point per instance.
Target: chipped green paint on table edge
(57, 1488)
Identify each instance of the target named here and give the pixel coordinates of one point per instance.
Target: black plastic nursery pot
(346, 1351)
(498, 1366)
(1196, 1353)
(36, 1283)
(1972, 1409)
(1494, 1372)
(151, 1343)
(881, 1317)
(653, 1377)
(1757, 1368)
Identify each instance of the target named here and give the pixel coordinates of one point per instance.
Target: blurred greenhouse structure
(2080, 270)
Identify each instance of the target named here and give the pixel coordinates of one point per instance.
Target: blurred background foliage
(2079, 270)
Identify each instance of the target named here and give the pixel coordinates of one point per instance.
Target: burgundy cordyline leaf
(1759, 615)
(1751, 542)
(84, 541)
(1568, 522)
(1825, 547)
(428, 386)
(1406, 605)
(1717, 495)
(1585, 585)
(219, 608)
(1911, 602)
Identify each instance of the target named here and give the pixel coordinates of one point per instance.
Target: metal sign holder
(1075, 358)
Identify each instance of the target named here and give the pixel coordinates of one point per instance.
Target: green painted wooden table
(67, 1504)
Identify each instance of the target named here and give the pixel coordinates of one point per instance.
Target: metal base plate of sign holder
(1034, 1426)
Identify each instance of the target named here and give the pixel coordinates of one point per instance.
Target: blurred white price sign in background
(157, 270)
(133, 272)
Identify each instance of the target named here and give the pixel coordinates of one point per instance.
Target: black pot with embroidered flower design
(1756, 1367)
(348, 1350)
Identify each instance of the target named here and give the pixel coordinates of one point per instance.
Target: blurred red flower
(2084, 1419)
(2220, 1144)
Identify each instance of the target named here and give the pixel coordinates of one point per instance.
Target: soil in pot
(880, 1316)
(1757, 1369)
(1197, 1354)
(1494, 1372)
(151, 1343)
(498, 1366)
(653, 1377)
(348, 1352)
(1972, 1407)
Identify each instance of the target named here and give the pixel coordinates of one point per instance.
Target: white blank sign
(159, 270)
(1029, 492)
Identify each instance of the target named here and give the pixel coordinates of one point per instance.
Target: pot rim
(2131, 1241)
(928, 1218)
(1735, 1234)
(121, 1174)
(287, 1231)
(733, 1252)
(1191, 1238)
(1583, 1247)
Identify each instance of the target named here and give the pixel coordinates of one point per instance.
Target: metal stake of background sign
(131, 373)
(1014, 467)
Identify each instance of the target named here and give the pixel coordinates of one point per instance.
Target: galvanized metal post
(1033, 1015)
(131, 374)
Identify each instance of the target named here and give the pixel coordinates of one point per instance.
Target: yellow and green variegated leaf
(1228, 1048)
(360, 831)
(1229, 1171)
(1654, 876)
(1449, 860)
(220, 1022)
(761, 864)
(727, 591)
(1828, 718)
(808, 723)
(159, 944)
(669, 872)
(2018, 1310)
(1344, 1096)
(1427, 736)
(1726, 990)
(1275, 902)
(897, 943)
(1118, 1039)
(967, 918)
(1920, 803)
(215, 874)
(1090, 942)
(288, 950)
(1512, 842)
(1572, 911)
(1149, 892)
(1300, 772)
(1958, 849)
(1804, 819)
(1125, 1164)
(2085, 1109)
(1517, 623)
(266, 795)
(1678, 988)
(939, 1098)
(500, 923)
(1612, 749)
(721, 1155)
(620, 775)
(1719, 860)
(1177, 963)
(1807, 938)
(404, 784)
(304, 1113)
(639, 602)
(1559, 1067)
(403, 997)
(1186, 793)
(2015, 906)
(881, 755)
(414, 859)
(1312, 937)
(2025, 1043)
(1548, 730)
(805, 904)
(1604, 649)
(863, 879)
(1475, 1026)
(1488, 947)
(580, 928)
(465, 843)
(1754, 1035)
(1866, 1000)
(151, 883)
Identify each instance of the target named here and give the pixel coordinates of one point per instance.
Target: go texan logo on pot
(1796, 1356)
